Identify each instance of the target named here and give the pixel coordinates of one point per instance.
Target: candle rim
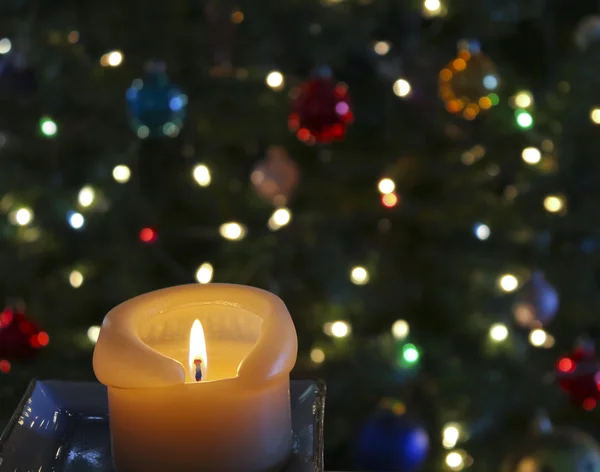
(123, 360)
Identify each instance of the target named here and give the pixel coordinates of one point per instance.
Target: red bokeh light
(148, 235)
(5, 366)
(6, 318)
(566, 365)
(589, 404)
(34, 342)
(389, 200)
(43, 338)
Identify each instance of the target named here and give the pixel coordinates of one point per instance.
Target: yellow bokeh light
(538, 337)
(450, 435)
(459, 64)
(386, 186)
(531, 155)
(359, 275)
(381, 48)
(523, 99)
(279, 218)
(22, 216)
(400, 329)
(401, 87)
(275, 80)
(595, 116)
(232, 231)
(340, 329)
(237, 17)
(454, 460)
(92, 333)
(554, 203)
(204, 274)
(76, 279)
(317, 355)
(121, 173)
(432, 7)
(498, 332)
(508, 283)
(201, 175)
(86, 196)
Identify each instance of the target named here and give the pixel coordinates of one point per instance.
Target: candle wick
(198, 364)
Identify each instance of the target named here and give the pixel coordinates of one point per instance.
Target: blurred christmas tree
(417, 180)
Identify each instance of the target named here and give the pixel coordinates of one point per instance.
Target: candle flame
(198, 359)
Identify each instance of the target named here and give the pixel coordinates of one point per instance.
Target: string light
(386, 185)
(317, 355)
(554, 203)
(237, 17)
(22, 216)
(76, 279)
(381, 48)
(508, 283)
(48, 127)
(524, 119)
(432, 7)
(73, 37)
(523, 99)
(359, 275)
(400, 329)
(201, 175)
(389, 200)
(595, 116)
(143, 132)
(112, 59)
(401, 88)
(337, 329)
(482, 232)
(148, 235)
(531, 155)
(410, 353)
(498, 332)
(279, 218)
(454, 460)
(232, 231)
(204, 274)
(275, 80)
(76, 220)
(121, 173)
(86, 196)
(5, 366)
(538, 337)
(5, 45)
(92, 333)
(450, 435)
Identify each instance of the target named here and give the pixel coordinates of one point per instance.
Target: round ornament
(321, 110)
(275, 177)
(20, 338)
(577, 375)
(562, 450)
(537, 302)
(587, 31)
(390, 441)
(468, 83)
(156, 107)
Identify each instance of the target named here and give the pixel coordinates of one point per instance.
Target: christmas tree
(416, 180)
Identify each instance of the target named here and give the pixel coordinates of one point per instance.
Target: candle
(198, 379)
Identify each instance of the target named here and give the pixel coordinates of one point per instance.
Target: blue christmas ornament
(156, 107)
(390, 442)
(537, 302)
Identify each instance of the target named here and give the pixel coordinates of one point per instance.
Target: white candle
(236, 418)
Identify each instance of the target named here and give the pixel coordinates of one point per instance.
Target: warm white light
(401, 87)
(76, 279)
(86, 197)
(23, 216)
(538, 337)
(523, 99)
(359, 275)
(531, 155)
(595, 116)
(201, 175)
(113, 59)
(450, 435)
(92, 333)
(197, 350)
(340, 329)
(400, 329)
(482, 232)
(386, 186)
(454, 460)
(279, 218)
(554, 203)
(432, 6)
(508, 283)
(204, 274)
(498, 332)
(76, 220)
(275, 79)
(232, 231)
(5, 45)
(317, 355)
(121, 173)
(381, 48)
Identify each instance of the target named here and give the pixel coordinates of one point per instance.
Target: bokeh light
(401, 87)
(498, 332)
(121, 173)
(93, 333)
(48, 127)
(280, 217)
(400, 329)
(508, 283)
(386, 185)
(317, 355)
(76, 220)
(531, 155)
(76, 279)
(359, 275)
(204, 274)
(275, 80)
(5, 46)
(538, 337)
(554, 203)
(201, 175)
(232, 231)
(22, 216)
(86, 196)
(482, 231)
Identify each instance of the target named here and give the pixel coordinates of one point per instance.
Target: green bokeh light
(48, 127)
(410, 353)
(524, 119)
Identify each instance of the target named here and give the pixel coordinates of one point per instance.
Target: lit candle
(183, 401)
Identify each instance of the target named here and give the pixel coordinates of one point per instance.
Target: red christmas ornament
(20, 338)
(578, 375)
(321, 111)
